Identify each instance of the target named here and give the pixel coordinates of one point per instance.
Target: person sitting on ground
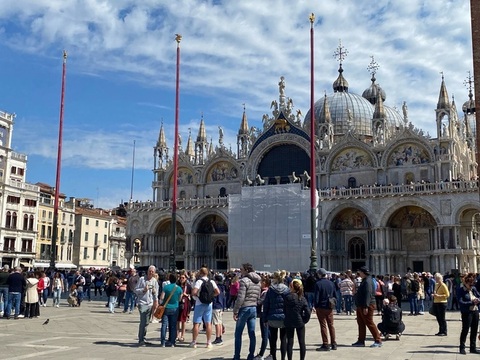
(73, 296)
(392, 323)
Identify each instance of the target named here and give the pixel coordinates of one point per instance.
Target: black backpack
(414, 286)
(206, 293)
(394, 316)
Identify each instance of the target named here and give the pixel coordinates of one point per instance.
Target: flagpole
(133, 171)
(53, 251)
(313, 187)
(172, 265)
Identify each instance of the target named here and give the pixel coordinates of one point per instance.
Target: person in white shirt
(202, 311)
(147, 295)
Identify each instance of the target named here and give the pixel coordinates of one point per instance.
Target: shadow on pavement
(116, 343)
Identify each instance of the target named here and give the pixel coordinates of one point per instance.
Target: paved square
(90, 332)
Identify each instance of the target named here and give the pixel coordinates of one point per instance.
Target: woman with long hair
(440, 298)
(468, 298)
(112, 292)
(32, 306)
(297, 314)
(184, 305)
(57, 289)
(273, 314)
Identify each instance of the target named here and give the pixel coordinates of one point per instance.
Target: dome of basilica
(352, 111)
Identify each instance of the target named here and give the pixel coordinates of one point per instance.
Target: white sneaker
(21, 316)
(57, 306)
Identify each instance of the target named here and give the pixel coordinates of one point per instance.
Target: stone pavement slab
(90, 332)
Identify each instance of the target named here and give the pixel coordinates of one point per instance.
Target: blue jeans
(246, 316)
(3, 298)
(79, 296)
(87, 292)
(112, 301)
(57, 295)
(412, 298)
(310, 296)
(169, 318)
(14, 299)
(130, 300)
(421, 305)
(348, 299)
(264, 332)
(338, 295)
(145, 315)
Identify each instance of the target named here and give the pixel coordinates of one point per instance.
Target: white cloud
(233, 52)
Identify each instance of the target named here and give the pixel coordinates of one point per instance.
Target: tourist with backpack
(203, 292)
(392, 323)
(412, 293)
(245, 309)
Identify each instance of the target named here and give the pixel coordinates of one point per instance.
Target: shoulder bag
(158, 313)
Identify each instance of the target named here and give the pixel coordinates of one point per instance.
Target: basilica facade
(390, 196)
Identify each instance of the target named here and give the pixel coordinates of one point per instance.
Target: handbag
(333, 302)
(431, 311)
(158, 313)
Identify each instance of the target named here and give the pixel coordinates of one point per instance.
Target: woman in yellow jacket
(440, 297)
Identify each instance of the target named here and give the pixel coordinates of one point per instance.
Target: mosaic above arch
(350, 219)
(222, 171)
(185, 176)
(411, 217)
(350, 159)
(408, 154)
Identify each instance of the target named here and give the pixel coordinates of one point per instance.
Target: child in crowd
(219, 304)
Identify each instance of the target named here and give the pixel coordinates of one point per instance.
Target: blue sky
(121, 73)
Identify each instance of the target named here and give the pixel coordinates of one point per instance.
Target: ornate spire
(189, 150)
(326, 117)
(202, 134)
(161, 143)
(374, 90)
(443, 102)
(244, 124)
(211, 150)
(340, 84)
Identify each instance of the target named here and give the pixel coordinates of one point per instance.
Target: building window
(62, 236)
(9, 244)
(49, 232)
(94, 254)
(70, 236)
(87, 221)
(44, 214)
(42, 231)
(20, 171)
(14, 220)
(50, 215)
(61, 253)
(8, 220)
(27, 245)
(45, 251)
(29, 202)
(86, 236)
(31, 220)
(71, 218)
(13, 199)
(96, 239)
(106, 225)
(13, 170)
(104, 254)
(63, 217)
(85, 253)
(96, 223)
(104, 239)
(25, 222)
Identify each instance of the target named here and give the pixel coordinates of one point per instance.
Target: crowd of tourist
(283, 302)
